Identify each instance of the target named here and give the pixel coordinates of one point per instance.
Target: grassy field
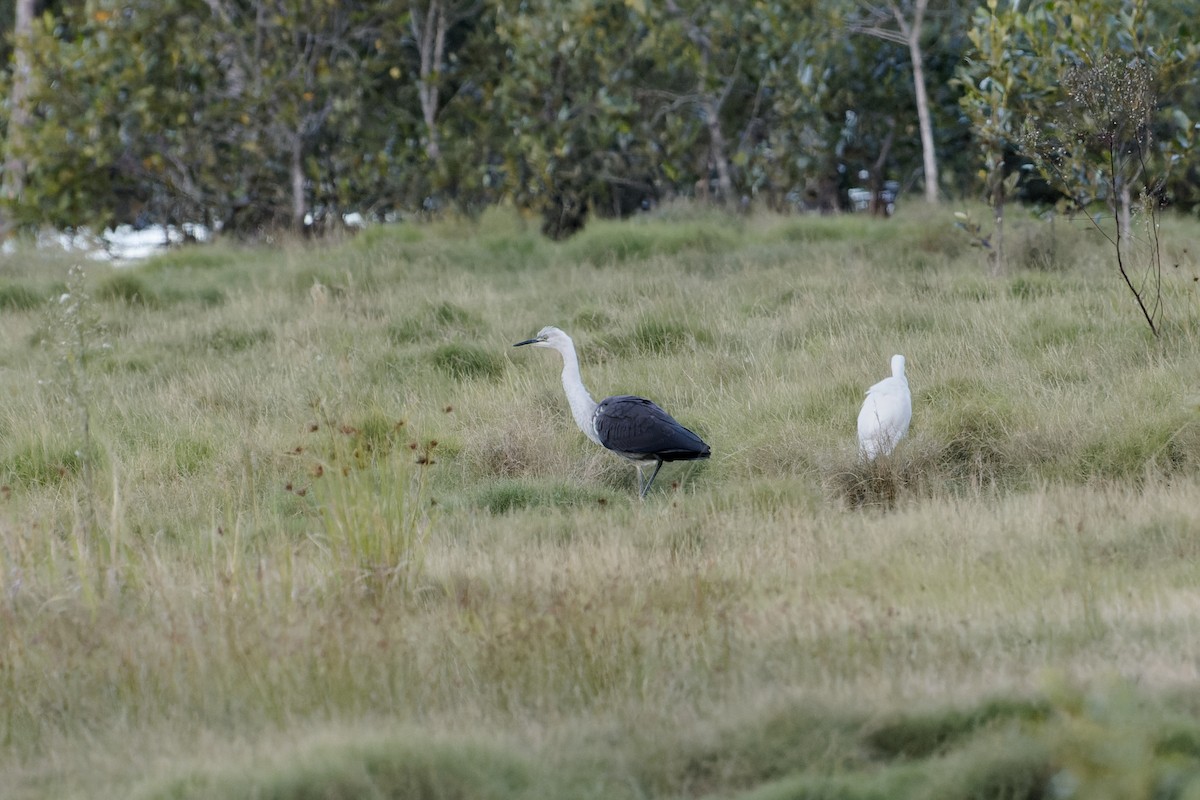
(298, 522)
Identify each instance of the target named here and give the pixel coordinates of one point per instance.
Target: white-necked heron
(632, 427)
(885, 413)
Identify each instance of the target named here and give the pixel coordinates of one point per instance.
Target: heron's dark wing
(634, 426)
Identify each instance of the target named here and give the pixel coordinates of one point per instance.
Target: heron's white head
(897, 366)
(551, 337)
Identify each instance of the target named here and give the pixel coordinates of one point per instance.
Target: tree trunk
(879, 206)
(429, 32)
(15, 167)
(299, 203)
(1125, 211)
(912, 35)
(718, 149)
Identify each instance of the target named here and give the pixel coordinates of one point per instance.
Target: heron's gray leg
(657, 467)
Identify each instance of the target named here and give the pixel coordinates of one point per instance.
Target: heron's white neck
(583, 407)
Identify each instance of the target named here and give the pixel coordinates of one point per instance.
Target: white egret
(885, 413)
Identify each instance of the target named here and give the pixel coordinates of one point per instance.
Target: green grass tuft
(232, 340)
(924, 735)
(413, 769)
(512, 495)
(18, 297)
(658, 337)
(40, 464)
(124, 287)
(607, 243)
(466, 361)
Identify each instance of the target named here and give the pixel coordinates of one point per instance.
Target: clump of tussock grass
(405, 765)
(512, 253)
(443, 319)
(203, 259)
(923, 735)
(909, 472)
(19, 297)
(40, 463)
(510, 452)
(204, 296)
(815, 229)
(463, 361)
(373, 509)
(321, 286)
(1034, 286)
(229, 340)
(380, 237)
(604, 243)
(127, 288)
(191, 455)
(1162, 446)
(593, 319)
(653, 336)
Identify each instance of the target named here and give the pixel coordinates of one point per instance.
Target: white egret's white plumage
(632, 427)
(885, 413)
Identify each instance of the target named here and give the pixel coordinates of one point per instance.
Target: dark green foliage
(16, 297)
(463, 361)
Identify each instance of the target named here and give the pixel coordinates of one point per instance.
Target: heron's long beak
(527, 341)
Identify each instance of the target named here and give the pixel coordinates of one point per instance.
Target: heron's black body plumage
(638, 429)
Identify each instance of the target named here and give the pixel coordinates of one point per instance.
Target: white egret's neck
(898, 367)
(583, 407)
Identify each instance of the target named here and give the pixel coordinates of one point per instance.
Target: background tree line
(251, 115)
